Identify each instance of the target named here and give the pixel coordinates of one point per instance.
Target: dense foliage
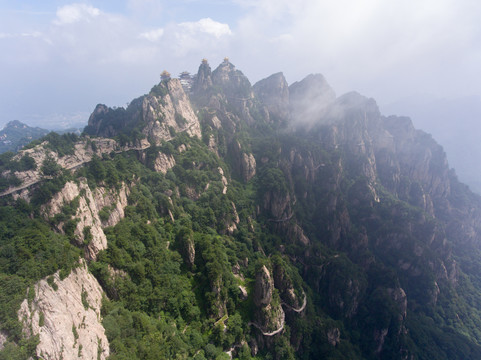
(29, 251)
(361, 262)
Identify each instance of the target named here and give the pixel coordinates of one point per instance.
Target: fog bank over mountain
(455, 124)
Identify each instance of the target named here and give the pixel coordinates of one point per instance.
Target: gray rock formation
(334, 336)
(161, 114)
(3, 339)
(163, 163)
(269, 315)
(67, 318)
(245, 163)
(309, 99)
(248, 166)
(273, 92)
(203, 80)
(284, 284)
(264, 286)
(90, 203)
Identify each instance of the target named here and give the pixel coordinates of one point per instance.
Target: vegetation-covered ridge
(16, 134)
(238, 221)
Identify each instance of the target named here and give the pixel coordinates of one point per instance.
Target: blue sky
(60, 58)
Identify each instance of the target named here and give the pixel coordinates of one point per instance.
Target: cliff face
(157, 116)
(88, 232)
(269, 314)
(66, 316)
(172, 111)
(273, 92)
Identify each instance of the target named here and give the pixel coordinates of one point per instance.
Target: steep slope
(65, 314)
(266, 221)
(157, 116)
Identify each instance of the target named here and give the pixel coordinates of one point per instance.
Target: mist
(455, 124)
(60, 59)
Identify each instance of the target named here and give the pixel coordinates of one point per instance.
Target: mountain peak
(273, 91)
(309, 98)
(203, 79)
(17, 134)
(15, 124)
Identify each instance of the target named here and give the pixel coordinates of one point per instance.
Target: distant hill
(16, 134)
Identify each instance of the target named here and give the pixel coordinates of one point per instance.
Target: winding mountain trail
(272, 333)
(299, 309)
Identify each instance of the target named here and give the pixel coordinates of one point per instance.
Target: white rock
(69, 329)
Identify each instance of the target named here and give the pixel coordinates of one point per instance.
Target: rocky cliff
(81, 153)
(65, 313)
(166, 110)
(269, 315)
(88, 226)
(273, 92)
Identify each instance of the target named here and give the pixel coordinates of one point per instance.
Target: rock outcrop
(284, 284)
(168, 114)
(66, 316)
(334, 336)
(248, 166)
(244, 161)
(89, 226)
(273, 92)
(203, 80)
(163, 163)
(166, 110)
(264, 287)
(228, 92)
(269, 315)
(3, 339)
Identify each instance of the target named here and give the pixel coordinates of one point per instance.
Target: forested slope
(253, 222)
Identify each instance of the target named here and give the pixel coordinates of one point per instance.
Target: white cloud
(34, 34)
(152, 35)
(207, 26)
(381, 49)
(73, 13)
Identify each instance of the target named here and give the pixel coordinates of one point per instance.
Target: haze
(59, 59)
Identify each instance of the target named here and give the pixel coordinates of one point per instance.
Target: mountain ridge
(292, 224)
(16, 134)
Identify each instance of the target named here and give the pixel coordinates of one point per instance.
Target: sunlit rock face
(66, 317)
(88, 231)
(158, 115)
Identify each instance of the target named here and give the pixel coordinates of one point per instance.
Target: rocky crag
(65, 314)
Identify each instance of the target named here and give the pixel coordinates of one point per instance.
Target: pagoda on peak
(186, 80)
(165, 75)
